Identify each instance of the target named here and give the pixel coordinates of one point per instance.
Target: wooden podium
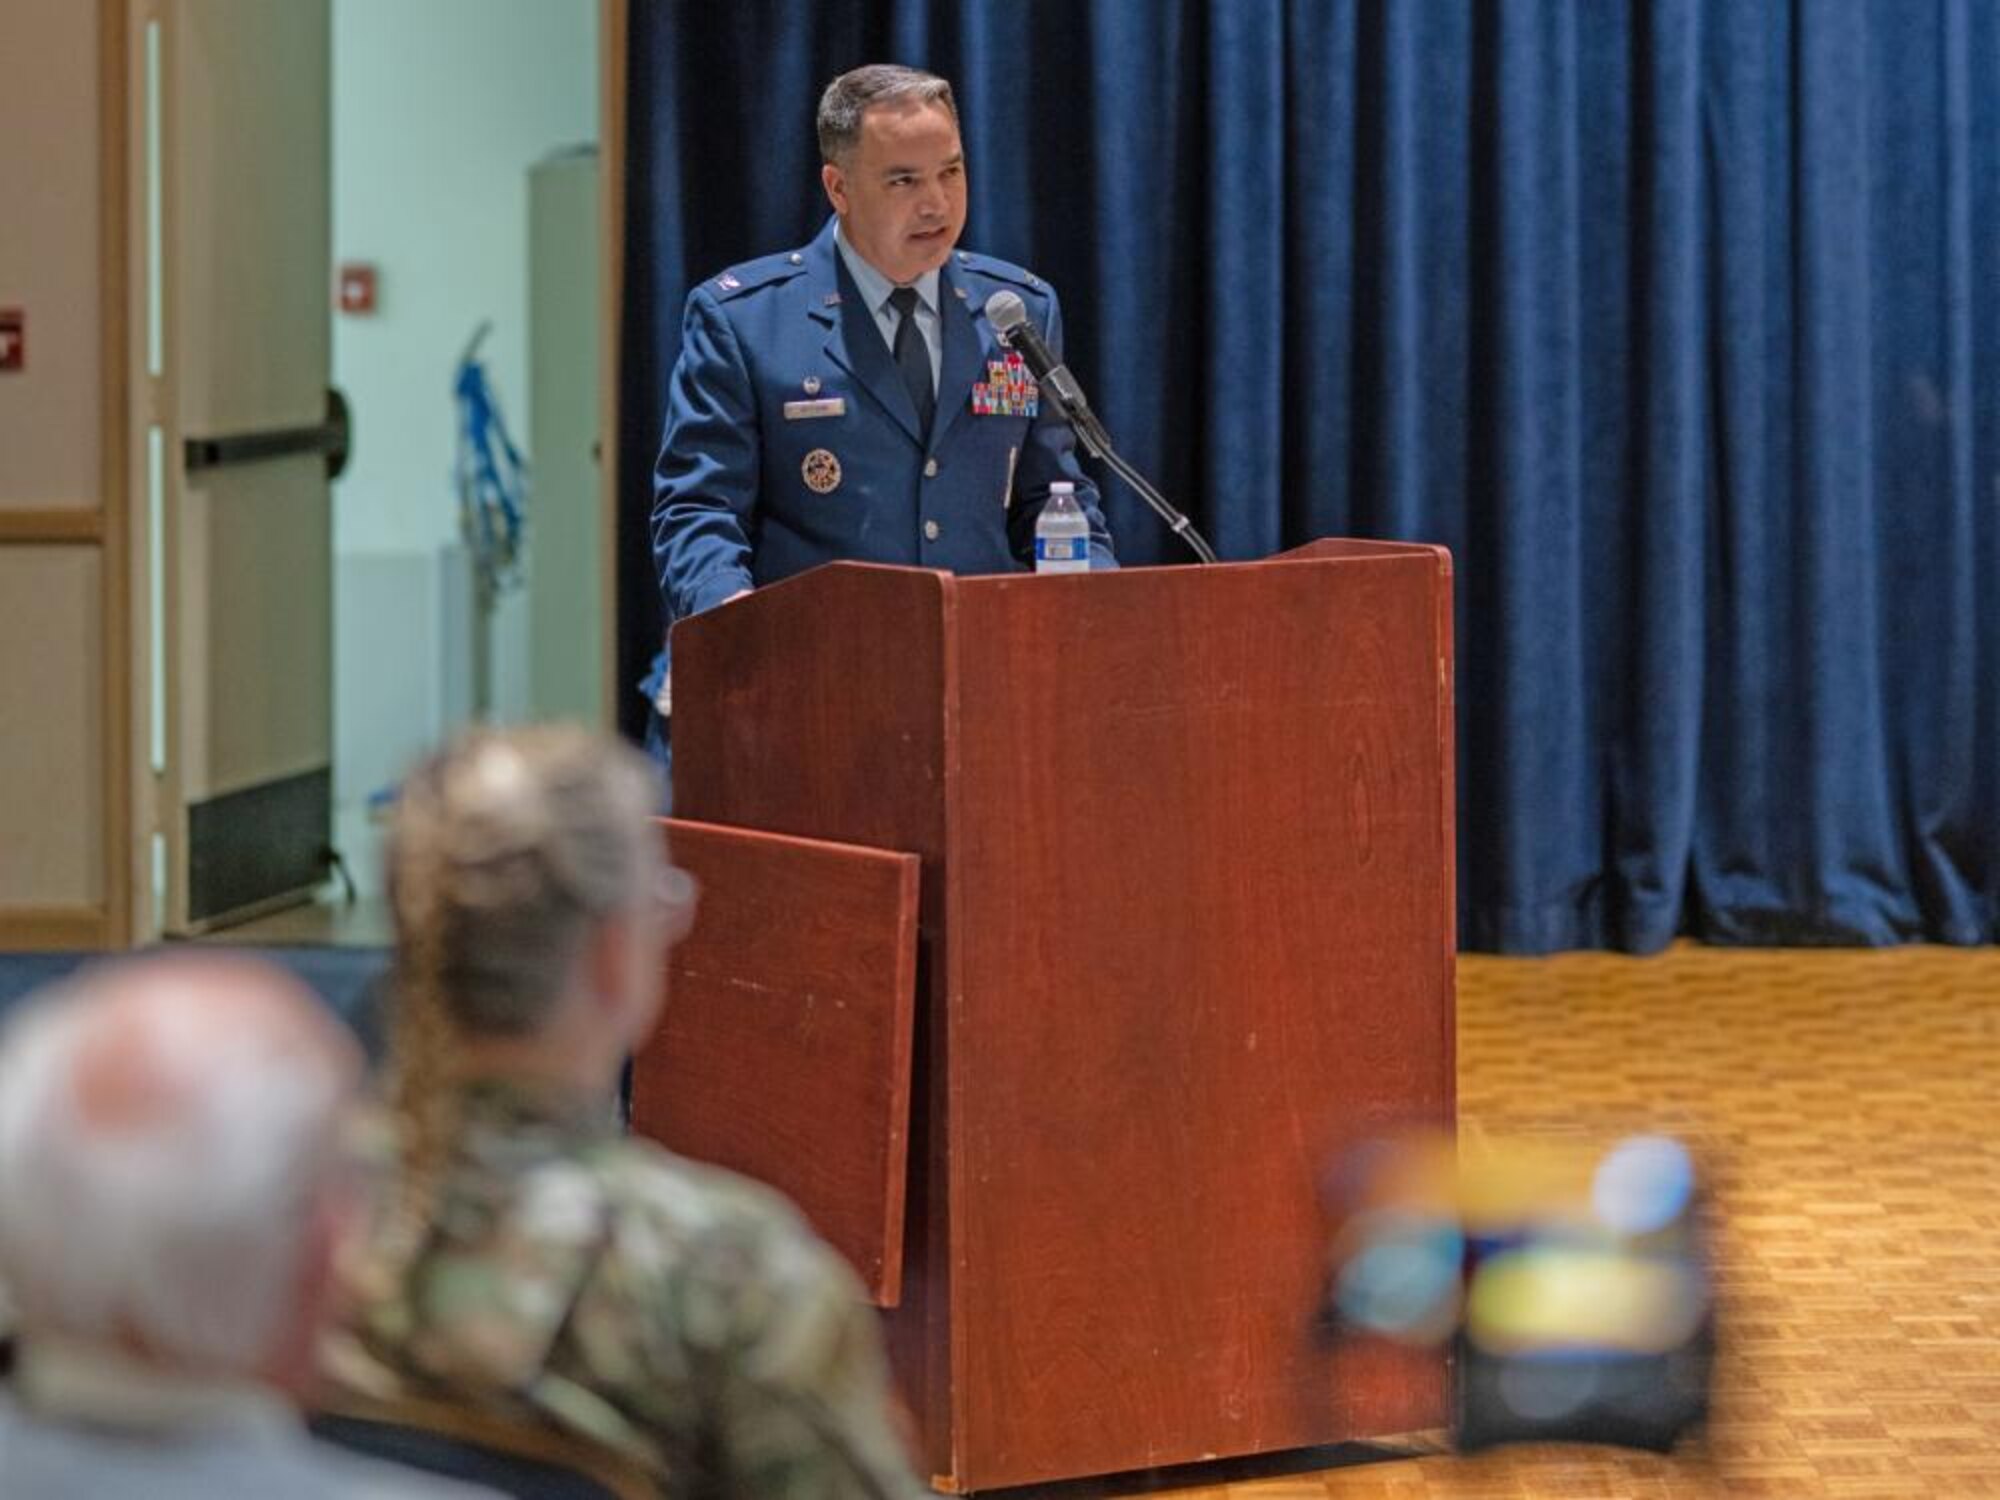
(1184, 931)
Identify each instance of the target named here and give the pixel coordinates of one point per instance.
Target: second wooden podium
(1184, 934)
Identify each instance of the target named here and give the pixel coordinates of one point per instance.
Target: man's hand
(663, 700)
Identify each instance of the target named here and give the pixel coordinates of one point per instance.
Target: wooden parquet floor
(1845, 1107)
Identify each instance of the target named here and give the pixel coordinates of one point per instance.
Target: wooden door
(237, 353)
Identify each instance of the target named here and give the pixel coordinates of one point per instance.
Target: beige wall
(50, 412)
(61, 729)
(51, 748)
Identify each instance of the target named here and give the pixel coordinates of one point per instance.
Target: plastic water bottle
(1062, 533)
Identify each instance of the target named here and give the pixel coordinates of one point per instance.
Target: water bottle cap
(1062, 487)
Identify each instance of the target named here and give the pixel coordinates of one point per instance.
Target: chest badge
(821, 471)
(811, 383)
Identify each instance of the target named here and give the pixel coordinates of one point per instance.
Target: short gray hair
(168, 1135)
(851, 95)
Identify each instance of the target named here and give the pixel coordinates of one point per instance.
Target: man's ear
(835, 182)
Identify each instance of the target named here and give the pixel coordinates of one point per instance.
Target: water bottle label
(1061, 549)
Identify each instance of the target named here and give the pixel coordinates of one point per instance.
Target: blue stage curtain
(1669, 319)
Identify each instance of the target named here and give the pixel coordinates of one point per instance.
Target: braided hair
(508, 848)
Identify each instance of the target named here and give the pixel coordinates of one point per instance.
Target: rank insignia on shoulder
(821, 471)
(727, 281)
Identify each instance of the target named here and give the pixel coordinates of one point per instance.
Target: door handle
(333, 437)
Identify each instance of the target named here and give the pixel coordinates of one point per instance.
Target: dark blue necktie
(913, 356)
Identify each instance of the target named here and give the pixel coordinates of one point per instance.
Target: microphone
(1009, 316)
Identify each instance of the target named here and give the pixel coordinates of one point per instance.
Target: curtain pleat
(1675, 321)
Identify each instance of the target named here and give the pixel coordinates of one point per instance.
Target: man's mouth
(927, 234)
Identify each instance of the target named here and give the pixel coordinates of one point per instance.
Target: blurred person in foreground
(530, 1260)
(170, 1200)
(1569, 1279)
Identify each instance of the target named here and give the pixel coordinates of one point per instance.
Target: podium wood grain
(1185, 935)
(784, 1049)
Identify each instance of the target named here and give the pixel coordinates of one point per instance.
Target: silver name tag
(832, 406)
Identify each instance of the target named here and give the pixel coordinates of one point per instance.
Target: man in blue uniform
(849, 399)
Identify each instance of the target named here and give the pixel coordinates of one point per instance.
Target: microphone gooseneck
(1009, 317)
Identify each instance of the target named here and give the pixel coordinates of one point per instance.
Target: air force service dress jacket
(791, 439)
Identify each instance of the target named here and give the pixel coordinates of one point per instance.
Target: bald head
(149, 1037)
(167, 1130)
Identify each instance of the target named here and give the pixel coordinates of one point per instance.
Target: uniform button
(798, 259)
(930, 468)
(931, 531)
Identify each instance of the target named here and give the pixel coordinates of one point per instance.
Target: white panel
(386, 668)
(49, 252)
(402, 678)
(509, 638)
(51, 727)
(457, 612)
(566, 586)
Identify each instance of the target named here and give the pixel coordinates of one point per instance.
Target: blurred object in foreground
(1572, 1284)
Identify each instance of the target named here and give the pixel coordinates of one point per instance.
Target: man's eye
(954, 171)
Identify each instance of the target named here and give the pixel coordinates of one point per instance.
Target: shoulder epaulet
(766, 270)
(999, 270)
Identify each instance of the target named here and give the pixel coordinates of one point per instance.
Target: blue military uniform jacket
(792, 441)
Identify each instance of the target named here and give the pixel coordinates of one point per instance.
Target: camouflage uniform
(680, 1316)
